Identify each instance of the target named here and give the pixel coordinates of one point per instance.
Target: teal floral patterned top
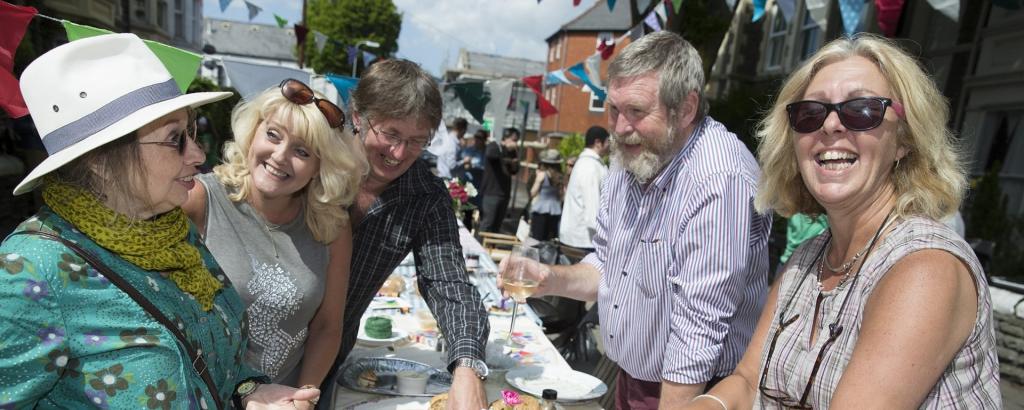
(71, 339)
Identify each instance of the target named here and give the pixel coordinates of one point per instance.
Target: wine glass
(516, 281)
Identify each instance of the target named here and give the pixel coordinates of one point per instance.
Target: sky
(434, 31)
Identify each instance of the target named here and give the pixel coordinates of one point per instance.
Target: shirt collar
(668, 174)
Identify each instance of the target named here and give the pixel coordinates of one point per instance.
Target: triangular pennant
(183, 65)
(731, 4)
(368, 57)
(320, 39)
(677, 6)
(606, 48)
(575, 3)
(819, 12)
(660, 11)
(652, 21)
(14, 20)
(948, 8)
(758, 9)
(850, 12)
(593, 64)
(500, 100)
(344, 85)
(546, 108)
(254, 10)
(636, 32)
(353, 55)
(281, 22)
(557, 77)
(224, 5)
(889, 15)
(787, 7)
(611, 5)
(473, 97)
(578, 71)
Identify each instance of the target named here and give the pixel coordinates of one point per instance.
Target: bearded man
(680, 262)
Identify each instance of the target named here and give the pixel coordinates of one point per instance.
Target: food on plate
(367, 379)
(438, 402)
(393, 286)
(511, 400)
(378, 327)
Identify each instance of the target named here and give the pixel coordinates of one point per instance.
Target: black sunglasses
(858, 114)
(299, 93)
(180, 141)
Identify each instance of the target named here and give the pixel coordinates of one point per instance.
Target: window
(596, 105)
(558, 47)
(161, 14)
(776, 39)
(810, 35)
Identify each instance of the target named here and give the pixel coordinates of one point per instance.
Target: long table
(421, 347)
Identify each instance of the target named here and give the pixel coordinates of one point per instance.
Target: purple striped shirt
(683, 262)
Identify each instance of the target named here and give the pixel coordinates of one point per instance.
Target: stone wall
(1008, 314)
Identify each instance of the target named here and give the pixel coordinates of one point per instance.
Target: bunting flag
(948, 8)
(758, 9)
(787, 7)
(731, 4)
(224, 5)
(557, 77)
(660, 11)
(281, 22)
(575, 3)
(593, 64)
(368, 57)
(353, 55)
(636, 32)
(606, 48)
(677, 6)
(473, 97)
(652, 21)
(578, 71)
(850, 11)
(183, 65)
(888, 15)
(546, 108)
(320, 39)
(819, 12)
(254, 10)
(344, 85)
(611, 5)
(14, 20)
(501, 97)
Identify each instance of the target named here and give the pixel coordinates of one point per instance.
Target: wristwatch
(243, 390)
(477, 365)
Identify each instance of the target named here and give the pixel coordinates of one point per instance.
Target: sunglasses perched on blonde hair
(299, 93)
(858, 114)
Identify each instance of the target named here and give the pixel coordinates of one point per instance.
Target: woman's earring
(897, 164)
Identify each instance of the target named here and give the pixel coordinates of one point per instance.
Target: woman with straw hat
(108, 297)
(546, 193)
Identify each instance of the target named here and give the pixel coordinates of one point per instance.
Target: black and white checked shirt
(415, 214)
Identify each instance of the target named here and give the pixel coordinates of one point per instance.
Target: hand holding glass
(515, 279)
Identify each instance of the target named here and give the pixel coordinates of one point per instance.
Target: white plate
(388, 302)
(397, 403)
(396, 335)
(570, 384)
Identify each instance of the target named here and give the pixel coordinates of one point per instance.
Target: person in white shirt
(446, 146)
(579, 210)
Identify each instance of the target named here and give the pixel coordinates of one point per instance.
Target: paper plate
(397, 335)
(393, 403)
(570, 384)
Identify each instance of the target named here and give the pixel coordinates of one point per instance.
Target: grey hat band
(114, 111)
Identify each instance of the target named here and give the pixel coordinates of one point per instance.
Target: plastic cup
(410, 382)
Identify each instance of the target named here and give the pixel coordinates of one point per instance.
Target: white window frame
(809, 26)
(592, 100)
(776, 37)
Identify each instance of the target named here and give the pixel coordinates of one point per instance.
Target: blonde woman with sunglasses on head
(275, 216)
(888, 308)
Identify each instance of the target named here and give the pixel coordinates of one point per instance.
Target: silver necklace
(846, 266)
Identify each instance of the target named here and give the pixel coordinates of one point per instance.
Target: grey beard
(646, 165)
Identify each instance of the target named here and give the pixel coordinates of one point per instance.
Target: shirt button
(615, 306)
(611, 336)
(623, 273)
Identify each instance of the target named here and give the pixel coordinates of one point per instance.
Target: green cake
(378, 327)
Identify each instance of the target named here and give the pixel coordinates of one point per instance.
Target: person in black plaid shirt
(402, 207)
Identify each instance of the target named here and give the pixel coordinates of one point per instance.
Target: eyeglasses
(395, 141)
(180, 141)
(299, 93)
(834, 331)
(858, 114)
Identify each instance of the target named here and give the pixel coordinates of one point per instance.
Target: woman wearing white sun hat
(108, 298)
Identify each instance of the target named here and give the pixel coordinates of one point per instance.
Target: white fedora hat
(95, 90)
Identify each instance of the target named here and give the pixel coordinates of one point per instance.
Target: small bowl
(411, 382)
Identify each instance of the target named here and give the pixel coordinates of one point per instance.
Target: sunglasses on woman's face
(858, 114)
(299, 93)
(181, 139)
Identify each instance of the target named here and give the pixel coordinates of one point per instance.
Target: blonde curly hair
(343, 162)
(930, 179)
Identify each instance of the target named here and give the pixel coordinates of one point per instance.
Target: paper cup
(410, 382)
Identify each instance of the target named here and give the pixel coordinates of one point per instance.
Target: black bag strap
(197, 359)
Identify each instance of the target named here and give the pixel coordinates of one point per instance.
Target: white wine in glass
(516, 281)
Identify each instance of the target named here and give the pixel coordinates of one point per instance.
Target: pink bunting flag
(889, 15)
(534, 82)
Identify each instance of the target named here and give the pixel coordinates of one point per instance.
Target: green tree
(348, 22)
(218, 113)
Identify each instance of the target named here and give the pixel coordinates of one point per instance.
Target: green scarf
(157, 244)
